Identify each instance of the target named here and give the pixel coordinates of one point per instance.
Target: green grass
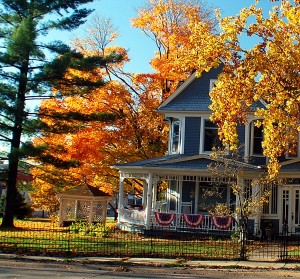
(42, 236)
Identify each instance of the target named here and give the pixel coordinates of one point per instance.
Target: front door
(295, 214)
(291, 208)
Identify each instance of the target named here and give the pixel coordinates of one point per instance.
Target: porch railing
(132, 216)
(207, 223)
(178, 221)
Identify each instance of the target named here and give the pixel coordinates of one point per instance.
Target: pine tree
(27, 73)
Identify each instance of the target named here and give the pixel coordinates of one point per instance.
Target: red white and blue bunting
(222, 222)
(193, 220)
(163, 218)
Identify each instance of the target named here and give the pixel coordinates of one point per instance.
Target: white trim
(149, 201)
(211, 84)
(291, 161)
(121, 197)
(187, 113)
(252, 127)
(202, 136)
(171, 137)
(182, 133)
(201, 142)
(247, 142)
(190, 79)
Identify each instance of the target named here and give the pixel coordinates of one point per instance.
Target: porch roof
(292, 165)
(176, 162)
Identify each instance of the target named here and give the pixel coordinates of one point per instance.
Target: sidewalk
(162, 262)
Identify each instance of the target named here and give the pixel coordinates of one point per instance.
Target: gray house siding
(192, 135)
(241, 134)
(194, 97)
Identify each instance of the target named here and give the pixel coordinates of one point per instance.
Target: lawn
(42, 236)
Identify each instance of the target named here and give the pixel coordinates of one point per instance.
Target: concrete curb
(160, 262)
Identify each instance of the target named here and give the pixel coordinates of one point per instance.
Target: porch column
(149, 201)
(197, 189)
(154, 195)
(238, 198)
(121, 197)
(256, 196)
(247, 142)
(91, 213)
(144, 193)
(228, 190)
(61, 210)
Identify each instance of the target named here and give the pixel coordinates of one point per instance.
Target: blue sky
(141, 49)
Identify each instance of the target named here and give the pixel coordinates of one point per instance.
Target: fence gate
(284, 247)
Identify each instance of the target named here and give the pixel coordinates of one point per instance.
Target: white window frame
(202, 136)
(171, 135)
(211, 84)
(273, 203)
(252, 127)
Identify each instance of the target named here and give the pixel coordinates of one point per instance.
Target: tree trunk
(8, 218)
(11, 192)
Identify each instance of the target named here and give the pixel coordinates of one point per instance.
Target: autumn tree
(267, 71)
(138, 132)
(30, 67)
(250, 195)
(168, 24)
(134, 134)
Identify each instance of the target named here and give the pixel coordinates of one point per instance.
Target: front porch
(183, 205)
(196, 223)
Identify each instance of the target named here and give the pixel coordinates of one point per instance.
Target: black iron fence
(82, 240)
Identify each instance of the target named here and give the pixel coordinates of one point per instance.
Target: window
(210, 137)
(271, 206)
(211, 195)
(173, 193)
(257, 138)
(175, 136)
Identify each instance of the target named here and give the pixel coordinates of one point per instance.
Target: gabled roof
(85, 190)
(292, 165)
(193, 94)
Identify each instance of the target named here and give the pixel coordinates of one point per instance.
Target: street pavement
(16, 266)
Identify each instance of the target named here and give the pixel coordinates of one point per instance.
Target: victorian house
(184, 169)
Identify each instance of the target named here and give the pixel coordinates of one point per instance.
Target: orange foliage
(168, 24)
(138, 132)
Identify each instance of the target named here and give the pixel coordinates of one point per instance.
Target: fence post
(243, 239)
(68, 241)
(284, 252)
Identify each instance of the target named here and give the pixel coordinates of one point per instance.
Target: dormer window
(210, 137)
(175, 136)
(256, 140)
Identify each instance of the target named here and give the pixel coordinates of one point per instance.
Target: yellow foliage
(267, 72)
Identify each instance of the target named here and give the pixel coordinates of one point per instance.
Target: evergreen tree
(27, 73)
